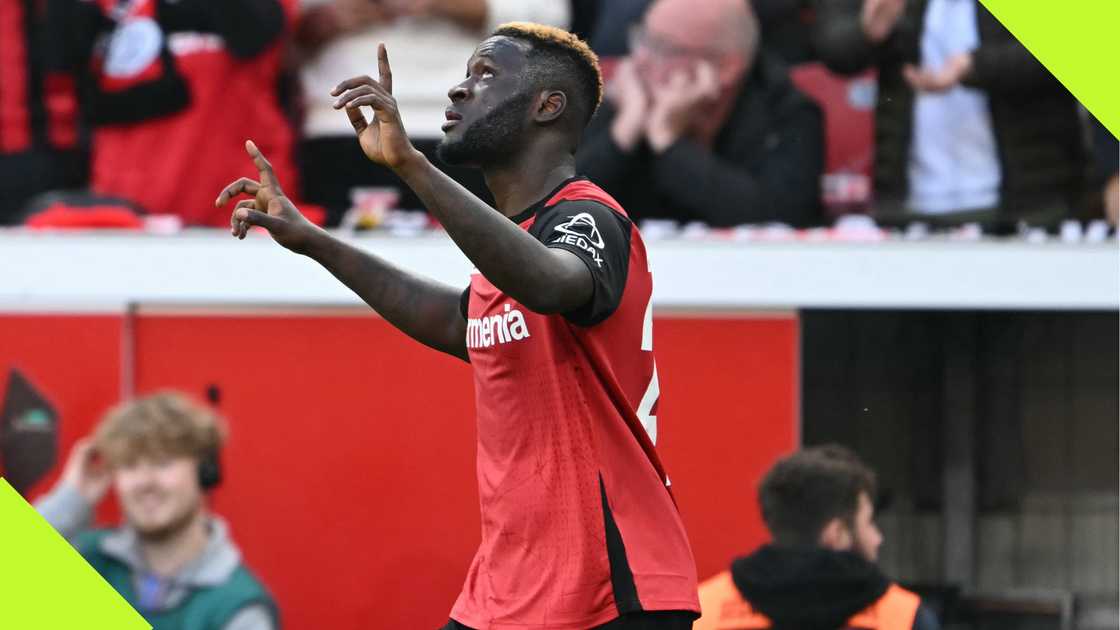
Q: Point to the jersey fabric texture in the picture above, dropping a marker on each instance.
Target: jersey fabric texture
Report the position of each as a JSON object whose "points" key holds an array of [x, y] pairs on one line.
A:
{"points": [[652, 620], [578, 524]]}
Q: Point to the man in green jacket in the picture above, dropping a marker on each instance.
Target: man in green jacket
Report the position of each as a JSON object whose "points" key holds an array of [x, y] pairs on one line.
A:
{"points": [[172, 560]]}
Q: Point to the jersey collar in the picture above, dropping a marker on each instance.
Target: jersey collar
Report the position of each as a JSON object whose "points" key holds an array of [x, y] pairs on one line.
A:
{"points": [[532, 210]]}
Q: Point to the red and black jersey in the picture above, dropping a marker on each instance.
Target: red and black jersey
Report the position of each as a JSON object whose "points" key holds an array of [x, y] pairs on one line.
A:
{"points": [[578, 525], [38, 110]]}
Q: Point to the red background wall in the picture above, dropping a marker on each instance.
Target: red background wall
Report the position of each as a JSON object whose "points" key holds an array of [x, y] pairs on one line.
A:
{"points": [[350, 470]]}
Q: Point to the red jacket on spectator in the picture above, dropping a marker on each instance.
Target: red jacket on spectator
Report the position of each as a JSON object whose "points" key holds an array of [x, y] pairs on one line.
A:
{"points": [[172, 147], [40, 145]]}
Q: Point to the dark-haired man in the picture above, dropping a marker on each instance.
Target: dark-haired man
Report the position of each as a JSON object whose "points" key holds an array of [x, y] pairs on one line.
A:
{"points": [[578, 527], [819, 572], [700, 124]]}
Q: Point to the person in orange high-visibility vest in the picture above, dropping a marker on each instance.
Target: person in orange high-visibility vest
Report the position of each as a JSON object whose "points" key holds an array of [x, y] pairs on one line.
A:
{"points": [[820, 571]]}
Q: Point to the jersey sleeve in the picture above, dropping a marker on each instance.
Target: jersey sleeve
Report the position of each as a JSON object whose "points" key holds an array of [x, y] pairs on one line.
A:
{"points": [[598, 236]]}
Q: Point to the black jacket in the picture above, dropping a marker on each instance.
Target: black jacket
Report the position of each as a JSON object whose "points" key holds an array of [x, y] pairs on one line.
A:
{"points": [[765, 165], [1037, 127], [811, 588]]}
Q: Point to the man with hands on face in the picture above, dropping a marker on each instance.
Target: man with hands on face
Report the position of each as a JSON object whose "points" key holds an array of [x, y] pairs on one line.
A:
{"points": [[172, 560], [701, 125], [579, 529], [968, 125]]}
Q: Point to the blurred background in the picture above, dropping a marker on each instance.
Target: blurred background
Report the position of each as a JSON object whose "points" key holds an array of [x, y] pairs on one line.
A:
{"points": [[880, 223]]}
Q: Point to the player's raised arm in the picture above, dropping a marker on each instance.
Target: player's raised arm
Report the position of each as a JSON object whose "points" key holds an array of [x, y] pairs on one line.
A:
{"points": [[423, 309], [543, 279]]}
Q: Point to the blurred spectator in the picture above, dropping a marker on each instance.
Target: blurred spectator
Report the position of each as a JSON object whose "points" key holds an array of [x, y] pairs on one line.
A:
{"points": [[819, 572], [1106, 152], [172, 90], [969, 126], [785, 27], [611, 35], [172, 560], [700, 126], [427, 42], [39, 140], [585, 14]]}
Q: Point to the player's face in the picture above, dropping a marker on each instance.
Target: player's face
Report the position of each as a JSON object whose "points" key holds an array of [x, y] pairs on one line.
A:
{"points": [[489, 111], [159, 495]]}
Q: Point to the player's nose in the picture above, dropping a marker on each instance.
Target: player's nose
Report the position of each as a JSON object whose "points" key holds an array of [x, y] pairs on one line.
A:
{"points": [[458, 93]]}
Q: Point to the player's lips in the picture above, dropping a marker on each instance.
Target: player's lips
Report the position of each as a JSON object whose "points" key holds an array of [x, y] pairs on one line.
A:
{"points": [[453, 118]]}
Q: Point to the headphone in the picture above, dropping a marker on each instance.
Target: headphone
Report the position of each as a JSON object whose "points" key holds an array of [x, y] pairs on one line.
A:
{"points": [[210, 465], [210, 471]]}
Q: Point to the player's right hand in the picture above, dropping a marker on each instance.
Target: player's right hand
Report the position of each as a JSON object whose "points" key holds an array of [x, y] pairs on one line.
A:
{"points": [[85, 473], [268, 208], [384, 139]]}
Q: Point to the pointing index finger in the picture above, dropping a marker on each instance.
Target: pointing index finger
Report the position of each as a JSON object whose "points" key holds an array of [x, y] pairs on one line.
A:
{"points": [[384, 72], [263, 167]]}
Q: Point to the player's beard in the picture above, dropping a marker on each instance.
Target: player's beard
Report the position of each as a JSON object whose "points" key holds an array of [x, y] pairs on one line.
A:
{"points": [[494, 139]]}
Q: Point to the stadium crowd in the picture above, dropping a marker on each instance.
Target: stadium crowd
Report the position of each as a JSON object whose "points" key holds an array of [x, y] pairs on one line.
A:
{"points": [[723, 112]]}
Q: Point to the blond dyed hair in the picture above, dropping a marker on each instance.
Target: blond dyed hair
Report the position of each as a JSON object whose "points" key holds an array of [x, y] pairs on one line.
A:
{"points": [[551, 38], [165, 424]]}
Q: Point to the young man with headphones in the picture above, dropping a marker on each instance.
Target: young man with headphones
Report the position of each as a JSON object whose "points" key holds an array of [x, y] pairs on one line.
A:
{"points": [[172, 559]]}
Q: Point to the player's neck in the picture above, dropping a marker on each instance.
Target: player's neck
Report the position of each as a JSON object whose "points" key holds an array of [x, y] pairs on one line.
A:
{"points": [[526, 181]]}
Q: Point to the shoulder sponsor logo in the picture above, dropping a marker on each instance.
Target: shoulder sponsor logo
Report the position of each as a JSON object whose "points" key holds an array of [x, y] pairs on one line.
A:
{"points": [[580, 231], [583, 224], [507, 326]]}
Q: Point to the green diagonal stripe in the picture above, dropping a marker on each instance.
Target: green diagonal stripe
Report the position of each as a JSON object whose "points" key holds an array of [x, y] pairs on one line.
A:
{"points": [[45, 584], [1076, 41]]}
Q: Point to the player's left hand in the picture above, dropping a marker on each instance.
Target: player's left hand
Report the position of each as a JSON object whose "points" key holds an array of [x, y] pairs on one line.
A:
{"points": [[384, 139], [269, 208], [677, 102], [950, 75]]}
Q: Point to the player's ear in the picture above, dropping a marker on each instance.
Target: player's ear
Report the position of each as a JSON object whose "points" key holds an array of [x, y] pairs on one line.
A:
{"points": [[550, 106]]}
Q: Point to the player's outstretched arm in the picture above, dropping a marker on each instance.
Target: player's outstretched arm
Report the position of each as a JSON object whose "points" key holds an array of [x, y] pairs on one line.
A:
{"points": [[423, 309], [544, 280]]}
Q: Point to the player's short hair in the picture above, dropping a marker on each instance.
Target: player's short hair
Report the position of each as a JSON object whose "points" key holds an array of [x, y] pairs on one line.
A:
{"points": [[561, 59], [166, 424], [804, 491]]}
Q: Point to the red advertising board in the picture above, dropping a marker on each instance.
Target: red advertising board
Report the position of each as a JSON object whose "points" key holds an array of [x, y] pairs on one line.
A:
{"points": [[349, 475]]}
